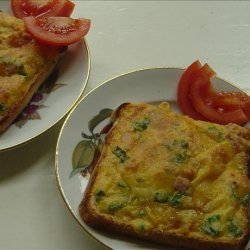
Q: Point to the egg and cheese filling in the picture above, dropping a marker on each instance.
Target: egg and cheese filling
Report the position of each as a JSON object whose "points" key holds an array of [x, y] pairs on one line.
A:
{"points": [[164, 172]]}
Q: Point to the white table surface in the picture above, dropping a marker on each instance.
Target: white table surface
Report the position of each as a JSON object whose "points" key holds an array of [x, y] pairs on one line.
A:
{"points": [[125, 35]]}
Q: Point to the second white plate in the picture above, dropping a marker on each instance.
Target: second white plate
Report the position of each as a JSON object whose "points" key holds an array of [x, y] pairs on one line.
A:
{"points": [[53, 101], [148, 85]]}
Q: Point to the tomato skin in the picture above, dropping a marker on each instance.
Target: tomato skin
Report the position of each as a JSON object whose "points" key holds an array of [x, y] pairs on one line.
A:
{"points": [[23, 8], [183, 90], [246, 109], [201, 94], [57, 31]]}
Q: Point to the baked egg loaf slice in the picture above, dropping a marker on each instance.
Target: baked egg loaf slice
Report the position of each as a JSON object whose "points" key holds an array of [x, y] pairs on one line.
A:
{"points": [[24, 65], [167, 178]]}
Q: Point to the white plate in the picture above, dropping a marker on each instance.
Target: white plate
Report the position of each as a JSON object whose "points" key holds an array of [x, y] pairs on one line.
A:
{"points": [[147, 85], [69, 86]]}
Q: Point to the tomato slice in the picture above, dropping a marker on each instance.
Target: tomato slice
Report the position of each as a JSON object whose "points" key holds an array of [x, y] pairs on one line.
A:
{"points": [[57, 31], [202, 96], [246, 109], [183, 90], [23, 8]]}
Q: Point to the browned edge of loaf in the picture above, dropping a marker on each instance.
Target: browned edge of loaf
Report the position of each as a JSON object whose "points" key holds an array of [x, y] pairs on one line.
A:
{"points": [[38, 80]]}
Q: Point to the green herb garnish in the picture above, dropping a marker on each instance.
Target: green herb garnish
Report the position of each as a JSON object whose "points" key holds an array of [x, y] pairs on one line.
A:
{"points": [[216, 132], [2, 107], [121, 154], [99, 195], [211, 226], [245, 200], [180, 158], [175, 200], [114, 207], [141, 125], [234, 228], [121, 185]]}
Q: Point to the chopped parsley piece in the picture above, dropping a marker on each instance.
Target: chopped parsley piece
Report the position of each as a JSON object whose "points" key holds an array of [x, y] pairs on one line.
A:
{"points": [[233, 228], [114, 207], [179, 149], [175, 200], [121, 154], [99, 195], [2, 107], [216, 132], [179, 158], [121, 185], [211, 226], [142, 125], [245, 200]]}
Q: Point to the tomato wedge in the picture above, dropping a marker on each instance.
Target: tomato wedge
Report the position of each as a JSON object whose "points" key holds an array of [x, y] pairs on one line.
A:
{"points": [[57, 31], [183, 90], [202, 96], [23, 8], [246, 108]]}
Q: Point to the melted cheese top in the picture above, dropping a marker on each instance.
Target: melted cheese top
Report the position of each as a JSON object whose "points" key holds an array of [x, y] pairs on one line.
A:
{"points": [[164, 172]]}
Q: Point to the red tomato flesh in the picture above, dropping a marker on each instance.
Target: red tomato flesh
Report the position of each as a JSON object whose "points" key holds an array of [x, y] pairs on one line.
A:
{"points": [[246, 108], [57, 31], [230, 99], [183, 98], [202, 96], [45, 8]]}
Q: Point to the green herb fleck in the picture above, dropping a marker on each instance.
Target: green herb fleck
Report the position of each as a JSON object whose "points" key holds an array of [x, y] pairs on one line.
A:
{"points": [[99, 195], [141, 125], [233, 228], [114, 207], [2, 107], [216, 132], [245, 200], [180, 158], [175, 200], [210, 227], [121, 154], [121, 185]]}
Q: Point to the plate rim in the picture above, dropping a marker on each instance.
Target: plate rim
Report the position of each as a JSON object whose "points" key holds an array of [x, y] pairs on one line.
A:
{"points": [[77, 100], [56, 165]]}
